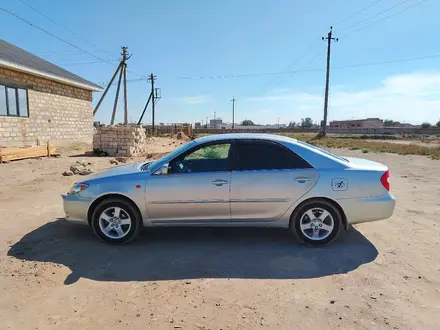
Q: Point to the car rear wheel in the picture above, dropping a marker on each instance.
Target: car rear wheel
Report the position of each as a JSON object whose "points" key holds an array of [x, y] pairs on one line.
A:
{"points": [[316, 223], [116, 221]]}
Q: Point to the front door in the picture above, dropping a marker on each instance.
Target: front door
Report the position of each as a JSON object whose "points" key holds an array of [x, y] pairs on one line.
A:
{"points": [[268, 179], [196, 187]]}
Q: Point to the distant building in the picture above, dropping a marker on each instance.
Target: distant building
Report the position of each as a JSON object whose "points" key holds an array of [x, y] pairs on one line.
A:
{"points": [[357, 123], [254, 127], [197, 125], [403, 125], [215, 123]]}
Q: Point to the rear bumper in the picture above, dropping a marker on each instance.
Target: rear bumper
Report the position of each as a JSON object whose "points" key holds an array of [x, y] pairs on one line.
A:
{"points": [[367, 209], [76, 208]]}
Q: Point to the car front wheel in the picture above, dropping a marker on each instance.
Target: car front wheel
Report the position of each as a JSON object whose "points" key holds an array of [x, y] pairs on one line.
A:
{"points": [[316, 223], [116, 221]]}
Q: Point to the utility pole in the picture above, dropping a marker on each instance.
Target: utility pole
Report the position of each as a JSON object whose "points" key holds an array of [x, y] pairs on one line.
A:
{"points": [[206, 124], [124, 68], [327, 78], [115, 104], [233, 111], [215, 124], [152, 78]]}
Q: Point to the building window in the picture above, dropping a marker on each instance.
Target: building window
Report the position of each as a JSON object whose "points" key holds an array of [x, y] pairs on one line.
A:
{"points": [[358, 125], [13, 102]]}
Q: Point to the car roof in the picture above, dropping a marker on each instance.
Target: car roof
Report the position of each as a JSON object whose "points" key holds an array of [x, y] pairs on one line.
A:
{"points": [[247, 136]]}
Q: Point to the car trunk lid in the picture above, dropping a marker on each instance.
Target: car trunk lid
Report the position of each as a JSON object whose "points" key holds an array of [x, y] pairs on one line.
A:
{"points": [[365, 164]]}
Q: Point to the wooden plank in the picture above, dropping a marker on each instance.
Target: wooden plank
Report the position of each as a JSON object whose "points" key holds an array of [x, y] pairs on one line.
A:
{"points": [[11, 151], [22, 153]]}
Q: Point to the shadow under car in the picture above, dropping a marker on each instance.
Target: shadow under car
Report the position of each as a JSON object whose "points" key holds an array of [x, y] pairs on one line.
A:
{"points": [[192, 252]]}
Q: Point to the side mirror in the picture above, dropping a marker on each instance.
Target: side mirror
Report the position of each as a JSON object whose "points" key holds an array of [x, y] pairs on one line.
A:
{"points": [[164, 169]]}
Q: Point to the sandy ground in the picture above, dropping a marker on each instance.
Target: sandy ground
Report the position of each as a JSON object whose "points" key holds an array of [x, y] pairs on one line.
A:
{"points": [[55, 275]]}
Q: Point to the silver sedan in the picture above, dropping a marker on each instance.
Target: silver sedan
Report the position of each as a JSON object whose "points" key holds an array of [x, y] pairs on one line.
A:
{"points": [[235, 180]]}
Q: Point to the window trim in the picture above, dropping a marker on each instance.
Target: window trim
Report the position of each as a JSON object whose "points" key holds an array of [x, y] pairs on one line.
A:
{"points": [[17, 102], [206, 144], [267, 142]]}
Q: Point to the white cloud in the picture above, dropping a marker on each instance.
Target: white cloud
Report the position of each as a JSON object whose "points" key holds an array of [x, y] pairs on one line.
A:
{"points": [[199, 99], [413, 97]]}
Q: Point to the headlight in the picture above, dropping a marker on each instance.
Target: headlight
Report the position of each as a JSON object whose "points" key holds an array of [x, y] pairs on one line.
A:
{"points": [[77, 187]]}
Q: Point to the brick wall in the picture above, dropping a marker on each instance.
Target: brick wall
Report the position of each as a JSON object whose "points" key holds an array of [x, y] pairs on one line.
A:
{"points": [[120, 140], [56, 111]]}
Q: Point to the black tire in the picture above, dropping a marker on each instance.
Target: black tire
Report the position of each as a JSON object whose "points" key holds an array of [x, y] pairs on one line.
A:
{"points": [[295, 222], [127, 209]]}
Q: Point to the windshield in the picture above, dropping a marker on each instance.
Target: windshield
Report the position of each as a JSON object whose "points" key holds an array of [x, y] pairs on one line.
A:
{"points": [[322, 150]]}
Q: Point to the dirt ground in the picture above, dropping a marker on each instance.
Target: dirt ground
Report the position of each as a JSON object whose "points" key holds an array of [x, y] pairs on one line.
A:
{"points": [[56, 275]]}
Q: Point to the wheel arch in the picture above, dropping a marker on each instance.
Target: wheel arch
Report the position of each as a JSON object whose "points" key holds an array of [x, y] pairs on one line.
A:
{"points": [[97, 201], [326, 199]]}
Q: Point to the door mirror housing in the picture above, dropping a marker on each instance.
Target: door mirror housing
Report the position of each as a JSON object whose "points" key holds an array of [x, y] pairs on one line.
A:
{"points": [[164, 169]]}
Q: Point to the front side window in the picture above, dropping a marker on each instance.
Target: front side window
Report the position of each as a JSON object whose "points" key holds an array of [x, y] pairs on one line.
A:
{"points": [[267, 156], [13, 102], [210, 158]]}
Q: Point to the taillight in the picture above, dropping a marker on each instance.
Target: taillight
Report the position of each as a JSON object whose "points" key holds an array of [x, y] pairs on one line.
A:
{"points": [[385, 180]]}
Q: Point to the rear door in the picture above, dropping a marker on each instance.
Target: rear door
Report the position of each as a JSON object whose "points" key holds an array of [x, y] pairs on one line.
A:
{"points": [[267, 180]]}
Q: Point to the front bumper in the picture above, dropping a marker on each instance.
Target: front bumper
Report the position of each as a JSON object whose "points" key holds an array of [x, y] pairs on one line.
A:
{"points": [[367, 209], [76, 208]]}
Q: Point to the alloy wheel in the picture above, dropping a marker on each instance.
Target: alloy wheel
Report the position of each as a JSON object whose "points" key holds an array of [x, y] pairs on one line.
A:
{"points": [[115, 222], [317, 224]]}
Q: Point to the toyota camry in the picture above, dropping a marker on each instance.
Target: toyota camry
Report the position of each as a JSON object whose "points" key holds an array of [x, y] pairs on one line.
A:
{"points": [[235, 180]]}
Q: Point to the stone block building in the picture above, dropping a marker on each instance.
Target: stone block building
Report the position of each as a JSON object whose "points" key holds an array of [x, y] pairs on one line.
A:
{"points": [[357, 123], [41, 100]]}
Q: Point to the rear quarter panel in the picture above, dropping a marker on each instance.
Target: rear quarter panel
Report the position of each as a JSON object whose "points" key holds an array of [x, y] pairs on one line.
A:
{"points": [[359, 186]]}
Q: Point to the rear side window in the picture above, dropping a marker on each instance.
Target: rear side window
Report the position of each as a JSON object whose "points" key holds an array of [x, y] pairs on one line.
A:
{"points": [[267, 156]]}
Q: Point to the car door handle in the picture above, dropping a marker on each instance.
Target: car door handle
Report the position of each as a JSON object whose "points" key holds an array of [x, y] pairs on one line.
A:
{"points": [[219, 182], [301, 179]]}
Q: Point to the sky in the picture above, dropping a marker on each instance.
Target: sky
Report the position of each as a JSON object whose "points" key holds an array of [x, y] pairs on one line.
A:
{"points": [[268, 54]]}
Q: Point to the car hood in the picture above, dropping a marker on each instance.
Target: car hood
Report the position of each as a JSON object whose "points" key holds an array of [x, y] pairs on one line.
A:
{"points": [[119, 170]]}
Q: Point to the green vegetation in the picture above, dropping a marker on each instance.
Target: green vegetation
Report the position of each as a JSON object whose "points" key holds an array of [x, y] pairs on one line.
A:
{"points": [[370, 146], [306, 122], [364, 143], [247, 122], [210, 152]]}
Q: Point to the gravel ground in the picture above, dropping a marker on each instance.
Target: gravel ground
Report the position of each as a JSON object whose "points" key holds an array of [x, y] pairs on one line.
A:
{"points": [[55, 275]]}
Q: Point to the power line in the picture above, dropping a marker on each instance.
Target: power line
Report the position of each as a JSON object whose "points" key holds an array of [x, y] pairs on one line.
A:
{"points": [[62, 26], [64, 53], [299, 70], [355, 13], [85, 63], [380, 13], [246, 75], [296, 60], [396, 13], [103, 83], [53, 35]]}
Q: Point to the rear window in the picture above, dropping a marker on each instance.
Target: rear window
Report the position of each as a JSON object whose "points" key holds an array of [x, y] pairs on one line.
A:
{"points": [[322, 150], [267, 156]]}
